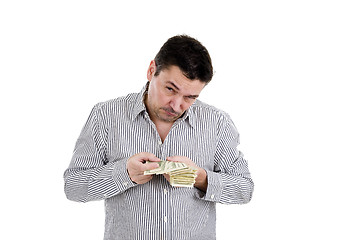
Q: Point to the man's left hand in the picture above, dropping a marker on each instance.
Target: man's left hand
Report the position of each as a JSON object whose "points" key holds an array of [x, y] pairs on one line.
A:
{"points": [[201, 180]]}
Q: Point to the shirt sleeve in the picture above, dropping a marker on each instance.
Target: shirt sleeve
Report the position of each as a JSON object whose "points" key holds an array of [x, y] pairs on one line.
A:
{"points": [[90, 176], [230, 181]]}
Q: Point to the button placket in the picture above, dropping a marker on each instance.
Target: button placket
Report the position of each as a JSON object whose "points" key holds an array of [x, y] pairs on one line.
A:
{"points": [[165, 211], [162, 147]]}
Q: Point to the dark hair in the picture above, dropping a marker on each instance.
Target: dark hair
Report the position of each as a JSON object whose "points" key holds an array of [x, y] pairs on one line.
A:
{"points": [[188, 54]]}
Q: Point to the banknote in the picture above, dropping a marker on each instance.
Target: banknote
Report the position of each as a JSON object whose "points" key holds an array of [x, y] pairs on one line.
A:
{"points": [[181, 175], [166, 167]]}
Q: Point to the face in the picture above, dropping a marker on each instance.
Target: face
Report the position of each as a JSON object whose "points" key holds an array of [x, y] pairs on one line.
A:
{"points": [[170, 93]]}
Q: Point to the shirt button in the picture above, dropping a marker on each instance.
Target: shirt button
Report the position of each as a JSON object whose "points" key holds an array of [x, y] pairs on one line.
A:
{"points": [[125, 183], [165, 218], [165, 191], [160, 142], [212, 196]]}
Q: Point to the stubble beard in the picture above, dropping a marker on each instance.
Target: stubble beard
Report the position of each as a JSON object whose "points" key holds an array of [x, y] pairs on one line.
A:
{"points": [[161, 114]]}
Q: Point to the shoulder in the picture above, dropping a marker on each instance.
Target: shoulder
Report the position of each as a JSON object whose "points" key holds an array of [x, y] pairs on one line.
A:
{"points": [[209, 117], [204, 110], [116, 108], [124, 102]]}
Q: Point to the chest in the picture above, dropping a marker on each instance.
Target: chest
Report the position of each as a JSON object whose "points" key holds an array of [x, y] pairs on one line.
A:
{"points": [[163, 130], [127, 139]]}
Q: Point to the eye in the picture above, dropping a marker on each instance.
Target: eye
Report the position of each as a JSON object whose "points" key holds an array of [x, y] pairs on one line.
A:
{"points": [[169, 89], [190, 99]]}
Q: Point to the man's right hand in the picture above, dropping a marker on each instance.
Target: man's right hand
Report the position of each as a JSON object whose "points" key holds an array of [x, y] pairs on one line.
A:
{"points": [[137, 164]]}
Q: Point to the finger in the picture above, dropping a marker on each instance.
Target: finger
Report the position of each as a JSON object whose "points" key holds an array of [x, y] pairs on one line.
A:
{"points": [[146, 178], [148, 157], [166, 176], [150, 166], [172, 159], [177, 159], [143, 179]]}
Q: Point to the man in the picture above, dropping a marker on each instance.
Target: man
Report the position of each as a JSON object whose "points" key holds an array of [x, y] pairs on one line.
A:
{"points": [[124, 137]]}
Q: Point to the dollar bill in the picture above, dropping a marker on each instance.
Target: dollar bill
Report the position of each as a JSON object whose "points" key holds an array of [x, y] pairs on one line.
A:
{"points": [[181, 175], [166, 167]]}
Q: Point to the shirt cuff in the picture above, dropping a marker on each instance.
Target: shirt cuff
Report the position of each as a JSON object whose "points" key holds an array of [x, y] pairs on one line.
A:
{"points": [[214, 188], [121, 176]]}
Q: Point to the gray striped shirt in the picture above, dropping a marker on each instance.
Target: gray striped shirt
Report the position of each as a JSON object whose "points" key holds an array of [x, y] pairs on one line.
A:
{"points": [[120, 128]]}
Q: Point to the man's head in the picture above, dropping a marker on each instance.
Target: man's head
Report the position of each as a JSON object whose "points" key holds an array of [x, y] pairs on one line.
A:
{"points": [[176, 77], [189, 55]]}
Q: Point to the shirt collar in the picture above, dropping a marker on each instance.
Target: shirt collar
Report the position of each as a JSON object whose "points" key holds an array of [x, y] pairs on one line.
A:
{"points": [[139, 107], [188, 116]]}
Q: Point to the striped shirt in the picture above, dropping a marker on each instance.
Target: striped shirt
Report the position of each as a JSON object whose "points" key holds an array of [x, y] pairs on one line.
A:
{"points": [[120, 128]]}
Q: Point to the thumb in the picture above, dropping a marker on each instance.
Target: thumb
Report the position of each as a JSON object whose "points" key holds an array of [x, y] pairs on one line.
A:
{"points": [[172, 158], [150, 166]]}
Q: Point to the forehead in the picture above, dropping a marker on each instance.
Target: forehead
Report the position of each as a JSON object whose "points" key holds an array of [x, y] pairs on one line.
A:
{"points": [[175, 77]]}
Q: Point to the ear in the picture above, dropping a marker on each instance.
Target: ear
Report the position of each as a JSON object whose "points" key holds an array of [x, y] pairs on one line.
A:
{"points": [[151, 70]]}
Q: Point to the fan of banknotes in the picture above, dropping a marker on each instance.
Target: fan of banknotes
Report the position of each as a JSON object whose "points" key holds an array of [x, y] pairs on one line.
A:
{"points": [[181, 175]]}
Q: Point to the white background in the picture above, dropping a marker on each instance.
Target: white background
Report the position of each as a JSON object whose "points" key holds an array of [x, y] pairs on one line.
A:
{"points": [[287, 72]]}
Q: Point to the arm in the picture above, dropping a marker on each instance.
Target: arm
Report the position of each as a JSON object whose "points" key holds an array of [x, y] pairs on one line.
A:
{"points": [[230, 182], [91, 177]]}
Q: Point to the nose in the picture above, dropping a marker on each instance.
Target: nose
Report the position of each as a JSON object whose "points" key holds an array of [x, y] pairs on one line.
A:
{"points": [[177, 104]]}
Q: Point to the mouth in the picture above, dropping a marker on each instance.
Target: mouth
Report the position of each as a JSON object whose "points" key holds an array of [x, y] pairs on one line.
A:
{"points": [[170, 113]]}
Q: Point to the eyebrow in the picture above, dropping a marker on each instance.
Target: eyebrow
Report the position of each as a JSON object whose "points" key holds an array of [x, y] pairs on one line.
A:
{"points": [[175, 86]]}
